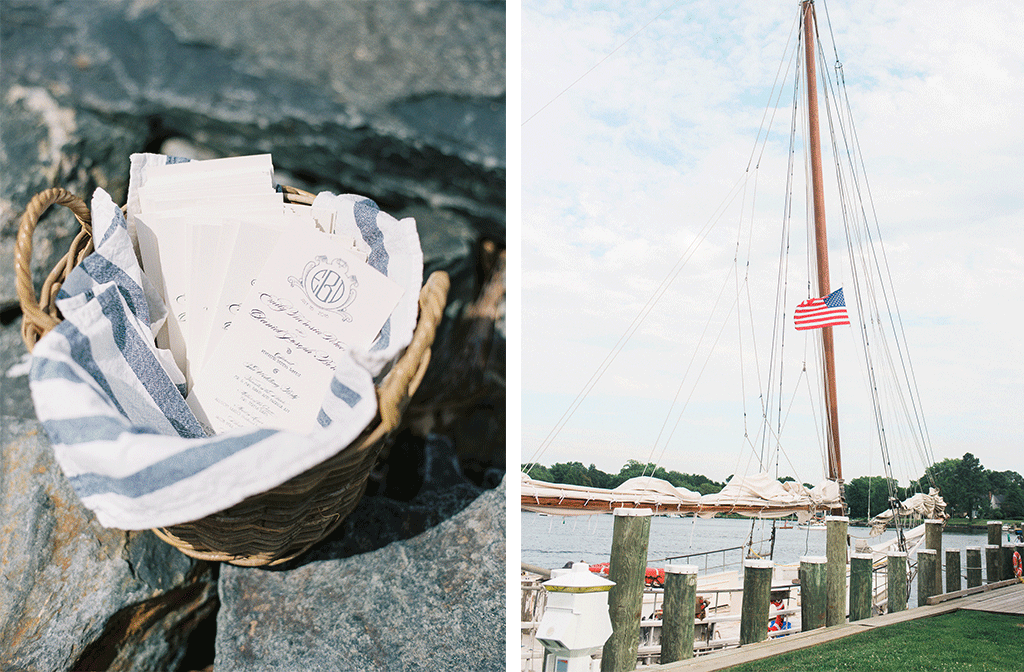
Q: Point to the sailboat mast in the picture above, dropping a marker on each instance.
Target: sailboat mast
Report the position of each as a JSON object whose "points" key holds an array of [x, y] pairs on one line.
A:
{"points": [[835, 467]]}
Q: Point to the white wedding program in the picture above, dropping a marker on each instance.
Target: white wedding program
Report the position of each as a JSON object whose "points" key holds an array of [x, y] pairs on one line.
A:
{"points": [[312, 302], [262, 297]]}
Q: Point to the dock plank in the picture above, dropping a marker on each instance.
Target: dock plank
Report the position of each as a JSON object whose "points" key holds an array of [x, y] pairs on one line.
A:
{"points": [[1007, 599]]}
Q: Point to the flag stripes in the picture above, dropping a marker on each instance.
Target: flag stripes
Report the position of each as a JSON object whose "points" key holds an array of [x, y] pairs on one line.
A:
{"points": [[829, 311]]}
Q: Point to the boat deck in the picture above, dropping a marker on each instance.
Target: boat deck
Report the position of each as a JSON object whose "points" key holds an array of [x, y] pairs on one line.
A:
{"points": [[1004, 597]]}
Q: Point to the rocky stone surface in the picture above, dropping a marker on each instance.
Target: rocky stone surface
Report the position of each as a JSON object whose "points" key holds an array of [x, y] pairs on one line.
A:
{"points": [[435, 601], [403, 102], [79, 596]]}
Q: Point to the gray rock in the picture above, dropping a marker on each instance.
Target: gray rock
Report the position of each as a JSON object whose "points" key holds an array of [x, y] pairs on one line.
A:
{"points": [[403, 102], [432, 602], [79, 596], [419, 485]]}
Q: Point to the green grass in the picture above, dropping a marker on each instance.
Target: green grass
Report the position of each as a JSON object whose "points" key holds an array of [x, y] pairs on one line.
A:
{"points": [[982, 522], [962, 640]]}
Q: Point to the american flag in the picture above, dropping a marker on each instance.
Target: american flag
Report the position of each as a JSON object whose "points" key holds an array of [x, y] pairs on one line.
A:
{"points": [[817, 313]]}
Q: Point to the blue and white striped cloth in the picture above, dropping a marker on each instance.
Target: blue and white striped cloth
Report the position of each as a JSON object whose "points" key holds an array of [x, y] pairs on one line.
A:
{"points": [[111, 401]]}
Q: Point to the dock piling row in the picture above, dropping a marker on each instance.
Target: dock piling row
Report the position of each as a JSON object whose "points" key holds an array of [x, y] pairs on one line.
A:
{"points": [[835, 550], [627, 568], [813, 593], [860, 586], [680, 605], [927, 561], [757, 589], [973, 566], [897, 581], [933, 540], [953, 582], [993, 558]]}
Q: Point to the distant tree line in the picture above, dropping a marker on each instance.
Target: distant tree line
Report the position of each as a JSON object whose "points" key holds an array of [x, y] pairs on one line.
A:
{"points": [[966, 486], [574, 473]]}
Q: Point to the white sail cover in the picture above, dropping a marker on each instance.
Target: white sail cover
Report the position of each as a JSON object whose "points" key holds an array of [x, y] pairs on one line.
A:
{"points": [[763, 490], [771, 498], [928, 507], [640, 491]]}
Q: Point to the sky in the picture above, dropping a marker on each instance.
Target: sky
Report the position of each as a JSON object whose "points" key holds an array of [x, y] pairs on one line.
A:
{"points": [[639, 121]]}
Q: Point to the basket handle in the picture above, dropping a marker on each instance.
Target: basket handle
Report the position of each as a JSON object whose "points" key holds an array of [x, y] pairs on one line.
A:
{"points": [[40, 315]]}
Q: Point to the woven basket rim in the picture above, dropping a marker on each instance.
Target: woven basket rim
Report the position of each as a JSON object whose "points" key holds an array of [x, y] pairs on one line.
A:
{"points": [[40, 315]]}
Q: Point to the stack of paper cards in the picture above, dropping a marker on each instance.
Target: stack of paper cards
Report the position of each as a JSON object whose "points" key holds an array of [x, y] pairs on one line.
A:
{"points": [[262, 298]]}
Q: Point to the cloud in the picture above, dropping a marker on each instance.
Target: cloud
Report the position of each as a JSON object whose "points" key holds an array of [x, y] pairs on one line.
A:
{"points": [[624, 171]]}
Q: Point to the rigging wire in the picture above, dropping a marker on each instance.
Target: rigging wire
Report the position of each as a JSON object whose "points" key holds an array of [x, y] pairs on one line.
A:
{"points": [[658, 293], [856, 158], [598, 64], [888, 399], [867, 263], [679, 389]]}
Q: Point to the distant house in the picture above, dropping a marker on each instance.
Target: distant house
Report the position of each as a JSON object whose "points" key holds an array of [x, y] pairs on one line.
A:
{"points": [[995, 501]]}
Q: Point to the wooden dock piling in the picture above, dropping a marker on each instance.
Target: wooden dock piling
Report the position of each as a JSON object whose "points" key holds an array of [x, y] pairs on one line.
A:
{"points": [[933, 540], [995, 532], [860, 586], [927, 559], [896, 571], [627, 568], [835, 573], [1006, 561], [973, 557], [813, 594], [757, 591], [953, 582], [993, 557], [680, 606]]}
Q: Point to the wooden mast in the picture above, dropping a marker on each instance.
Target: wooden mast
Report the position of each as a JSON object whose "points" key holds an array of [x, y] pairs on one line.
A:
{"points": [[835, 467]]}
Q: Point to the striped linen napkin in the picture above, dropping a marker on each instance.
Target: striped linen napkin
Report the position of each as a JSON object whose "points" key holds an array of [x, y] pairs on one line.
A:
{"points": [[112, 405]]}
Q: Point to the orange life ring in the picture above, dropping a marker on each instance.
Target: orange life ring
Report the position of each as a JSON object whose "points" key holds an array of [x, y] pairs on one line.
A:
{"points": [[1016, 564], [655, 577]]}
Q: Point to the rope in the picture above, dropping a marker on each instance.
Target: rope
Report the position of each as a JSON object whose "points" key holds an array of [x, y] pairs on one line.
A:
{"points": [[596, 65], [652, 301]]}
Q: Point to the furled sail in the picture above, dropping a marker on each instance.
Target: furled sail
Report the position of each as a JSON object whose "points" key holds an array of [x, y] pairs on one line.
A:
{"points": [[757, 496], [927, 507]]}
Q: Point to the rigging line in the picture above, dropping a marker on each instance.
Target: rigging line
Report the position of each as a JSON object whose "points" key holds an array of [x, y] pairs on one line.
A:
{"points": [[792, 401], [907, 366], [686, 373], [913, 414], [812, 398], [739, 312], [771, 93], [696, 349], [832, 37], [781, 290], [776, 349], [635, 324], [596, 65], [699, 375], [862, 317], [850, 221]]}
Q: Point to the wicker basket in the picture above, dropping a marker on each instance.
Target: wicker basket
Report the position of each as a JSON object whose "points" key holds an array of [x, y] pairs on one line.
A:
{"points": [[279, 524]]}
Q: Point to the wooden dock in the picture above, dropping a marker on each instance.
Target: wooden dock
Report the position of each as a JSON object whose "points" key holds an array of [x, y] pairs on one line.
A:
{"points": [[1004, 597]]}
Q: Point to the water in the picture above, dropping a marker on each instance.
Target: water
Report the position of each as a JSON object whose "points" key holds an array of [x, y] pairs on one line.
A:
{"points": [[552, 541]]}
